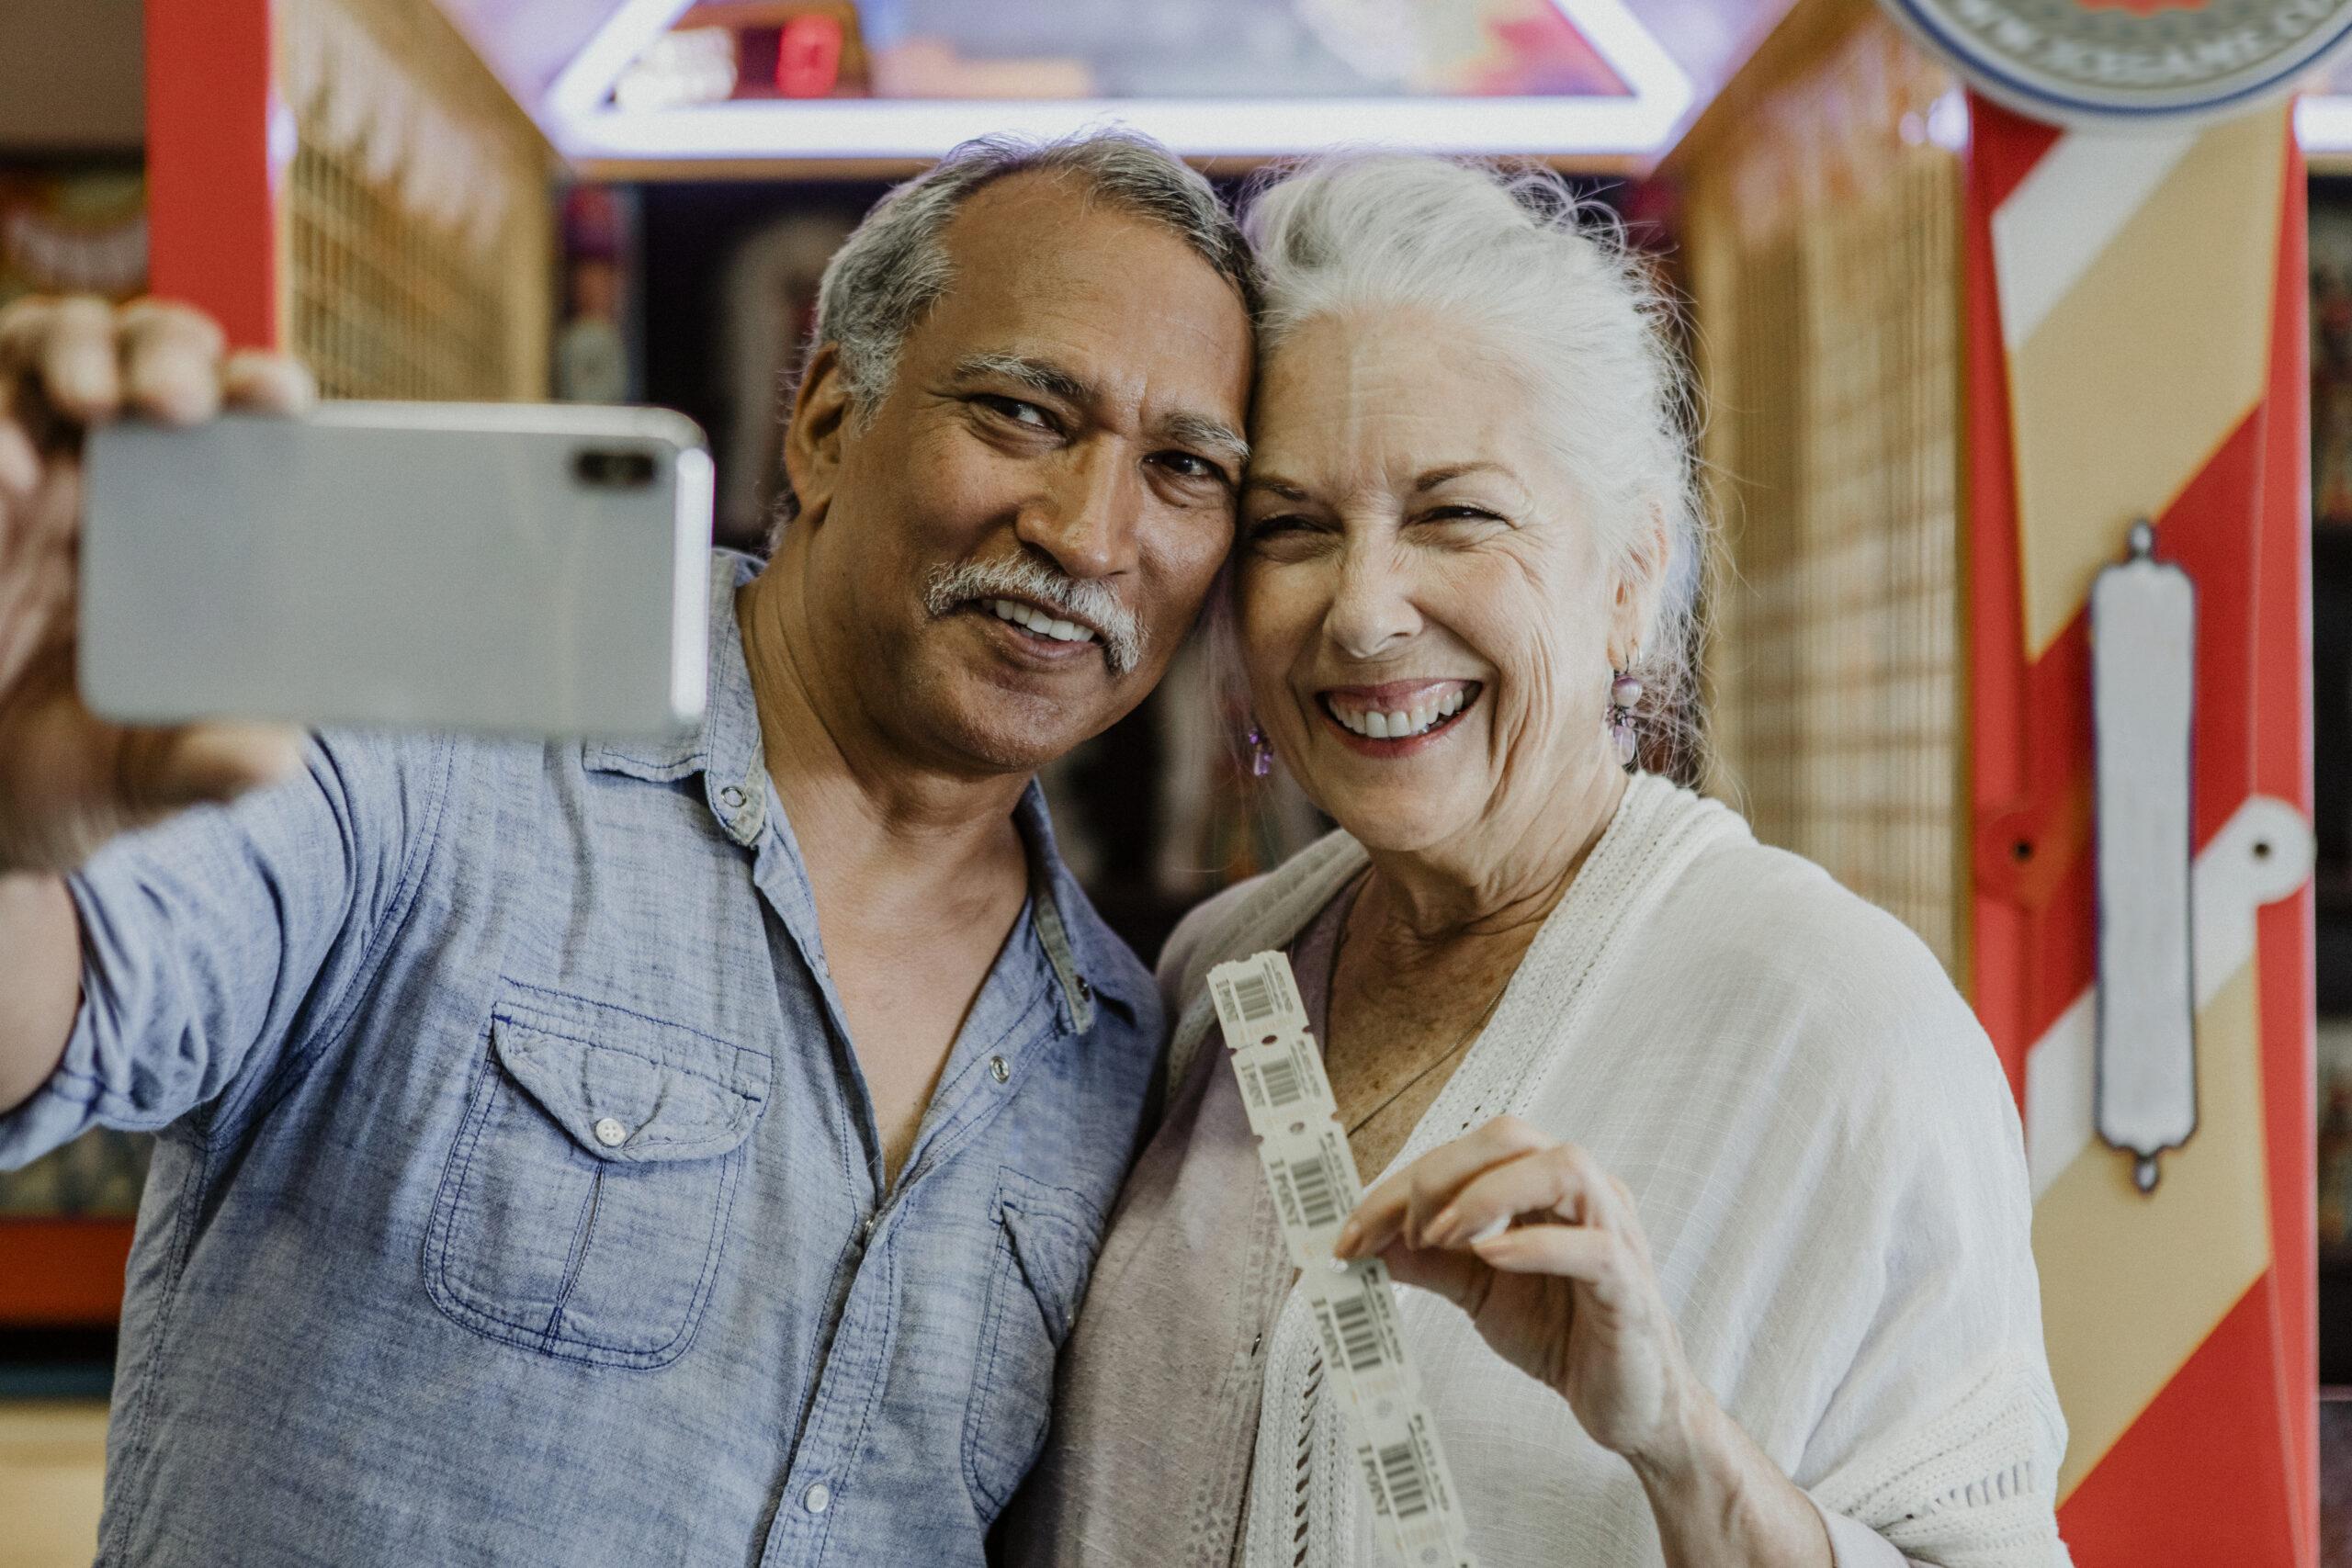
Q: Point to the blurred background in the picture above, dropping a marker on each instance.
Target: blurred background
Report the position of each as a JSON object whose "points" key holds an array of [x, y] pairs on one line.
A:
{"points": [[632, 200]]}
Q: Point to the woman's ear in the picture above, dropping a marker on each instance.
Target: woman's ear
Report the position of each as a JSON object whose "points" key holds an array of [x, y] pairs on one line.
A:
{"points": [[1639, 586], [812, 436]]}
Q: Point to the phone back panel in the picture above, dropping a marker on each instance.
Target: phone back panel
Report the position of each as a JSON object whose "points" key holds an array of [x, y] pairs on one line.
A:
{"points": [[413, 564]]}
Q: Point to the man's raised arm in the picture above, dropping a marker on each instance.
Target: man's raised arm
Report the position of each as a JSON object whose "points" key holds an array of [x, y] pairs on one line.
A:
{"points": [[41, 981], [69, 781]]}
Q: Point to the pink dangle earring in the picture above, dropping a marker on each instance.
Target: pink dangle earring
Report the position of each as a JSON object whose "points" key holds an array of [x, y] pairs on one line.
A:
{"points": [[1261, 753], [1625, 695]]}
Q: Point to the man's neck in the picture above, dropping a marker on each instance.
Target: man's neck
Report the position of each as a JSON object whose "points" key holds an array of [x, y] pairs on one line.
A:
{"points": [[862, 810]]}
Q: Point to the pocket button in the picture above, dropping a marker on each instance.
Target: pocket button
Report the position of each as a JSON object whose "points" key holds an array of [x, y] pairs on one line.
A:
{"points": [[611, 1133]]}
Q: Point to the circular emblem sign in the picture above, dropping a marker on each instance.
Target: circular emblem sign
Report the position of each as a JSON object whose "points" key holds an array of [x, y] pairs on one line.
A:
{"points": [[2111, 62]]}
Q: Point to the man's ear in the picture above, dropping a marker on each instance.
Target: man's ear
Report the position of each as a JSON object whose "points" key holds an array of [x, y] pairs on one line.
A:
{"points": [[812, 436]]}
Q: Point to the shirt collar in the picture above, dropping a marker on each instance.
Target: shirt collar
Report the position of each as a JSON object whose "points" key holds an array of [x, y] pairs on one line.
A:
{"points": [[726, 751], [726, 748]]}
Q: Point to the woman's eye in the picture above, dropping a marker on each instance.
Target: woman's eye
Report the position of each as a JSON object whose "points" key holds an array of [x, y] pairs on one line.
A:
{"points": [[1458, 514], [1267, 527]]}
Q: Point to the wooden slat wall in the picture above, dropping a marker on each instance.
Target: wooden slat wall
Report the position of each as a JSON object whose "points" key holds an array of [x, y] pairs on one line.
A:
{"points": [[384, 302], [1824, 254]]}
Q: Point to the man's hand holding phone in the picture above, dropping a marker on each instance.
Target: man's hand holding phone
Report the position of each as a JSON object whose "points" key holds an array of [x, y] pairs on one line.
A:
{"points": [[69, 780]]}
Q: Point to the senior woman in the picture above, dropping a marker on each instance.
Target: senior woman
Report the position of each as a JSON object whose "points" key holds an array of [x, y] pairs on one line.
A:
{"points": [[1765, 1295]]}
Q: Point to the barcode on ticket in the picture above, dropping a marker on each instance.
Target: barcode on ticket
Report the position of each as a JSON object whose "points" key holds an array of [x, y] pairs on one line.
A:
{"points": [[1312, 1175], [1282, 1086], [1281, 1081], [1403, 1479], [1255, 999], [1254, 994], [1313, 1192], [1357, 1316]]}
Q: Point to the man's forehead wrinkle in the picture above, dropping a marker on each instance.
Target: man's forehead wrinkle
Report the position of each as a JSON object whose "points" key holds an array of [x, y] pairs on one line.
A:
{"points": [[1062, 318]]}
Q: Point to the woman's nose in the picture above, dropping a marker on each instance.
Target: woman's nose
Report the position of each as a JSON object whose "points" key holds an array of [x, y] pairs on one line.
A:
{"points": [[1371, 605], [1086, 514]]}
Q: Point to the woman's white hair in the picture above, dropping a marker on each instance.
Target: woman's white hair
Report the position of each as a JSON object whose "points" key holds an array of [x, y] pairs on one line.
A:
{"points": [[1572, 313]]}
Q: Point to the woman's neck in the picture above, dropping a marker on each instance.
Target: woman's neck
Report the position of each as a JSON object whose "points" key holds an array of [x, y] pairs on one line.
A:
{"points": [[1499, 879]]}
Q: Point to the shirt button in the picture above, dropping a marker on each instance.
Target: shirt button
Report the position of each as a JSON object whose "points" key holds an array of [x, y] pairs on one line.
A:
{"points": [[611, 1133], [731, 798], [997, 1069], [1085, 991], [818, 1498]]}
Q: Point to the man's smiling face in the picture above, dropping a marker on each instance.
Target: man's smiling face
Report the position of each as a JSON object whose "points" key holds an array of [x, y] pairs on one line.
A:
{"points": [[1019, 537]]}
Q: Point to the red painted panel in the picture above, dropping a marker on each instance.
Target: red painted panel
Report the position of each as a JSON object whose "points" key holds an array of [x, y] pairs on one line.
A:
{"points": [[2280, 708], [211, 202], [2001, 148], [2222, 1467], [62, 1272], [2211, 530], [2199, 1479], [2004, 146]]}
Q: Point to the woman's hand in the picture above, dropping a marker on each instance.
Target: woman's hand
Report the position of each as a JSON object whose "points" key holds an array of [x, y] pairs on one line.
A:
{"points": [[1543, 1250]]}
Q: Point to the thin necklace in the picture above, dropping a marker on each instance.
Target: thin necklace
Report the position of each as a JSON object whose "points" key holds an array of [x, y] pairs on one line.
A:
{"points": [[1450, 1052]]}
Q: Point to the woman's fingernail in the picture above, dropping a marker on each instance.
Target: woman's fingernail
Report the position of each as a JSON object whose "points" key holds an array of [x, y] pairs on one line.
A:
{"points": [[1346, 1242], [1440, 1230]]}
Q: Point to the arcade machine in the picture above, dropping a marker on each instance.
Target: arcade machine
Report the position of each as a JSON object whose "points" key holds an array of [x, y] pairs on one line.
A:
{"points": [[1998, 309]]}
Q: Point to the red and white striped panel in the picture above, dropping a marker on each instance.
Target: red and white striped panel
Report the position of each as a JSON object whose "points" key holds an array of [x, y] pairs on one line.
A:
{"points": [[2136, 346]]}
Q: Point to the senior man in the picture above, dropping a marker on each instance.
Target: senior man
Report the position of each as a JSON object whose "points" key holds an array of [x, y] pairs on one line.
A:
{"points": [[644, 1154]]}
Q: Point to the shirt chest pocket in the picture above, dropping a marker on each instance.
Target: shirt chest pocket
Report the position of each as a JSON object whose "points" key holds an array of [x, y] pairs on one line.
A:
{"points": [[1046, 1239], [584, 1209]]}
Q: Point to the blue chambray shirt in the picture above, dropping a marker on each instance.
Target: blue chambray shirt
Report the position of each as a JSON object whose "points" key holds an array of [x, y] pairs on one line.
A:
{"points": [[517, 1197]]}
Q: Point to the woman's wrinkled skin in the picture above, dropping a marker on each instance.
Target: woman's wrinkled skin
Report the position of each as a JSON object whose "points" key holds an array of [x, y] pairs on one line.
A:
{"points": [[1409, 538], [1404, 520]]}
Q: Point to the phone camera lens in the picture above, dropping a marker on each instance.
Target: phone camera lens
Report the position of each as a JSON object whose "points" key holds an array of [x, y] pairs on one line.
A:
{"points": [[605, 469]]}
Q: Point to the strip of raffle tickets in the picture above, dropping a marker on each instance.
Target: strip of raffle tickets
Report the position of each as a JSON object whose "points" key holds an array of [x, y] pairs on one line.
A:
{"points": [[1313, 1176]]}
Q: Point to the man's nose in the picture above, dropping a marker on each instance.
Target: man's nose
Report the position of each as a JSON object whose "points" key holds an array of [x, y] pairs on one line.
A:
{"points": [[1087, 514]]}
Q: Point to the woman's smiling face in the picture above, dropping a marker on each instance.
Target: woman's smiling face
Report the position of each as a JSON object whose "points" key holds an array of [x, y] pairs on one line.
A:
{"points": [[1426, 617]]}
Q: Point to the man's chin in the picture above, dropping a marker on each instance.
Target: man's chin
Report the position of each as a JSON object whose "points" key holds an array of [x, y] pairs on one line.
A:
{"points": [[1008, 718], [1000, 728], [1013, 749]]}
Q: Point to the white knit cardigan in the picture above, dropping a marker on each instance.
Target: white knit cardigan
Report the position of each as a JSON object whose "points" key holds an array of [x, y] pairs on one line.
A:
{"points": [[1827, 1163]]}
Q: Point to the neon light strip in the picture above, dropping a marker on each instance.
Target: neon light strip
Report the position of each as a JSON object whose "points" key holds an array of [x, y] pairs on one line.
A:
{"points": [[1199, 127], [580, 91], [583, 125]]}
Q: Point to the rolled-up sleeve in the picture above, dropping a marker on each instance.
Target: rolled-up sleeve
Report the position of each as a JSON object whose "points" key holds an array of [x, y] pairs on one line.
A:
{"points": [[227, 940]]}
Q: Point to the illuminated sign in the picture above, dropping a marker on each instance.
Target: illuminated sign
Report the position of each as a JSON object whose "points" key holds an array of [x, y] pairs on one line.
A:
{"points": [[2094, 63]]}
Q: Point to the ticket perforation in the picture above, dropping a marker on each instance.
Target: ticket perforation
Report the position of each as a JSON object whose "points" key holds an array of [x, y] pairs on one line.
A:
{"points": [[1311, 1174]]}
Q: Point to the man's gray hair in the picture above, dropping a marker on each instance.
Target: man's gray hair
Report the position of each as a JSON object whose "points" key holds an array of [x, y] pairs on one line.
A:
{"points": [[890, 272]]}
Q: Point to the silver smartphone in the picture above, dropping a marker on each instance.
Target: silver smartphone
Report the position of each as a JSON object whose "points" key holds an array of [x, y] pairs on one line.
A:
{"points": [[538, 569]]}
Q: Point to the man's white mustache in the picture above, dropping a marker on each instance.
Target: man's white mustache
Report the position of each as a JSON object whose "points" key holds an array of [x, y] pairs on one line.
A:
{"points": [[950, 588]]}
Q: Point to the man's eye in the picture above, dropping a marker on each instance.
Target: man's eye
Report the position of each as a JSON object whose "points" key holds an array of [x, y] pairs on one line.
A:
{"points": [[1016, 410], [1187, 466]]}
